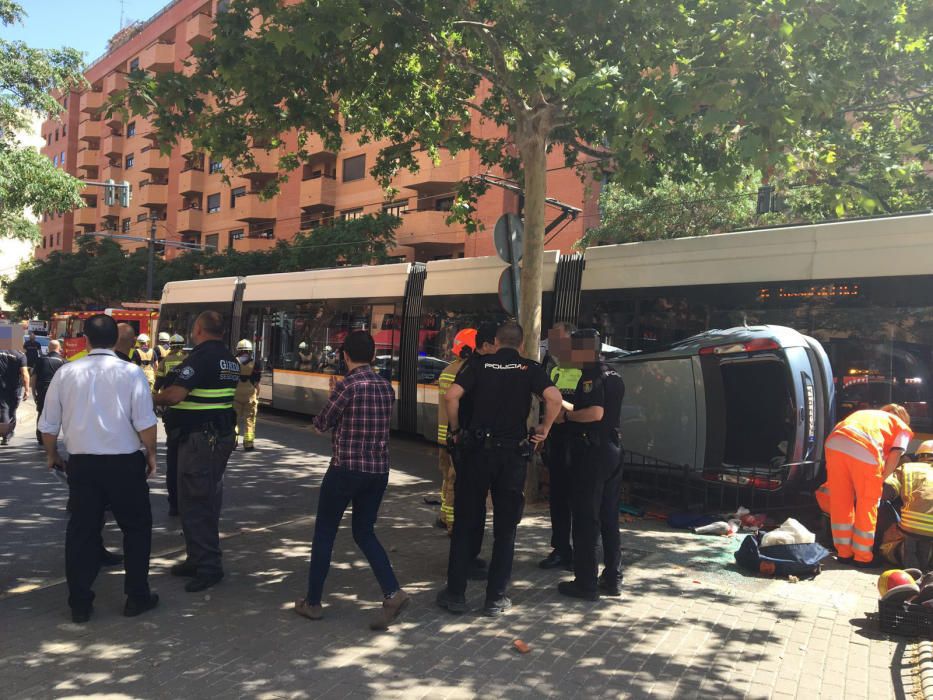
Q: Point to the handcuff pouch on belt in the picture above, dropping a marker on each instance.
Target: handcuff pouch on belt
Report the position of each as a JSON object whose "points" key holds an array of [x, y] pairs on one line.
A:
{"points": [[483, 439]]}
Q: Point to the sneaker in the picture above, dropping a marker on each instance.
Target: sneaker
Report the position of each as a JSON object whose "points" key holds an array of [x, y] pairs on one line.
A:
{"points": [[305, 609], [81, 615], [183, 569], [451, 602], [478, 570], [573, 590], [136, 606], [555, 560], [392, 608], [496, 607], [201, 583], [609, 586]]}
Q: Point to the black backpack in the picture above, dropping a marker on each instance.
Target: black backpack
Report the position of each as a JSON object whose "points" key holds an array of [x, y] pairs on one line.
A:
{"points": [[801, 560]]}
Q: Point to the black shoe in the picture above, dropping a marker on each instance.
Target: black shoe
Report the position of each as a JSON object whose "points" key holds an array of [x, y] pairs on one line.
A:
{"points": [[183, 569], [137, 606], [248, 447], [556, 560], [81, 615], [497, 606], [478, 570], [4, 440], [108, 558], [201, 583], [452, 603], [173, 511], [609, 586], [573, 590]]}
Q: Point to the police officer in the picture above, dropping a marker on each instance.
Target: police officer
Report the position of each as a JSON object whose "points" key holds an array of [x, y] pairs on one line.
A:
{"points": [[32, 350], [246, 400], [43, 371], [592, 420], [14, 385], [201, 421], [497, 450], [557, 450]]}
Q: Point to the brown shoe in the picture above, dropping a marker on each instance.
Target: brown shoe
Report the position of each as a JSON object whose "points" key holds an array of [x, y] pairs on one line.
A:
{"points": [[312, 612], [391, 610]]}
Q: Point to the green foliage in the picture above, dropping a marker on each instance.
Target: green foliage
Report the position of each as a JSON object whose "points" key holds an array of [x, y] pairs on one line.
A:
{"points": [[28, 78], [101, 274]]}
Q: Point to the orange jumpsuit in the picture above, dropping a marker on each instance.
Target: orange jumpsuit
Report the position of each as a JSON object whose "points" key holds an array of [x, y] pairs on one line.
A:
{"points": [[855, 454]]}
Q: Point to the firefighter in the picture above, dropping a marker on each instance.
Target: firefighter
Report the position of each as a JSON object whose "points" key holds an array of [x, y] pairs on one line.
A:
{"points": [[145, 357], [913, 482], [305, 357], [163, 346], [246, 400], [861, 452]]}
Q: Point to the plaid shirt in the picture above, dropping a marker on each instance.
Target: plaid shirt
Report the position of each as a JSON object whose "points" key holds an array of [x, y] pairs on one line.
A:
{"points": [[359, 412]]}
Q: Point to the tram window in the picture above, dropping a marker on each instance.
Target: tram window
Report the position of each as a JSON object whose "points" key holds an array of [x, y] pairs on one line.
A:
{"points": [[441, 320]]}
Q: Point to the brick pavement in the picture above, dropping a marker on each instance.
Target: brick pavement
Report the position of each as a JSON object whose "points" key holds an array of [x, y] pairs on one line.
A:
{"points": [[691, 625]]}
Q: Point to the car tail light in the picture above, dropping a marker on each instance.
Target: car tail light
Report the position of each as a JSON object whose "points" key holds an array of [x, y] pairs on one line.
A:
{"points": [[750, 346]]}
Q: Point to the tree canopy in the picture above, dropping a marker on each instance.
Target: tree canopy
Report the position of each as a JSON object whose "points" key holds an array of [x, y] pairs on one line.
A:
{"points": [[645, 89], [100, 274], [28, 80]]}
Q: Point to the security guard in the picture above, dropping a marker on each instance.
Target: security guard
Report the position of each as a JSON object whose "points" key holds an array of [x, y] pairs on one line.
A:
{"points": [[496, 452], [201, 421], [246, 400], [595, 450], [145, 357], [557, 450]]}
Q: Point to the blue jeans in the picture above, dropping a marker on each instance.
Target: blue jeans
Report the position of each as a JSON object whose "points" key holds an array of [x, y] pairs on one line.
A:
{"points": [[340, 488]]}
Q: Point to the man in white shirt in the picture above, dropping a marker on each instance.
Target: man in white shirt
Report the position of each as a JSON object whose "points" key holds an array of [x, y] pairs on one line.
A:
{"points": [[103, 407]]}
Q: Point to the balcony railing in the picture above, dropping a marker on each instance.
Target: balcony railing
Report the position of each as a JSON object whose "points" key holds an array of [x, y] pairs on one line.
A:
{"points": [[91, 102], [112, 146], [190, 219], [90, 131], [114, 82], [87, 158], [198, 29], [151, 159], [250, 208], [318, 193], [267, 163], [86, 216], [428, 227], [152, 195], [158, 58], [448, 171], [191, 181]]}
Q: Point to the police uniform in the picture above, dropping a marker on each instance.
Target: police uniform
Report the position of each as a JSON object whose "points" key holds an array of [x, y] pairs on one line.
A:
{"points": [[595, 451], [495, 459], [33, 352], [557, 459], [201, 431], [12, 363], [246, 400]]}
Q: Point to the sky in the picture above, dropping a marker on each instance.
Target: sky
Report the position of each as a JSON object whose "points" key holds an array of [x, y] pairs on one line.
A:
{"points": [[85, 25]]}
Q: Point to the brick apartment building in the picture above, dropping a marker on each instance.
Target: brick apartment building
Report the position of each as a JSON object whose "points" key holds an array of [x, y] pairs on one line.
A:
{"points": [[186, 194]]}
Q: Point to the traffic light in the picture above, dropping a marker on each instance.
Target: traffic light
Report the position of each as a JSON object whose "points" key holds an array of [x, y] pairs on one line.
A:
{"points": [[110, 193], [126, 194]]}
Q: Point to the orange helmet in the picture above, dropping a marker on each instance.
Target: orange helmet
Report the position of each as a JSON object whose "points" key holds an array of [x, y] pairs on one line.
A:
{"points": [[466, 338]]}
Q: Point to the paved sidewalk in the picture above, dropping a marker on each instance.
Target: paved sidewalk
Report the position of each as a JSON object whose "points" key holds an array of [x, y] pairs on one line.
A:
{"points": [[691, 625]]}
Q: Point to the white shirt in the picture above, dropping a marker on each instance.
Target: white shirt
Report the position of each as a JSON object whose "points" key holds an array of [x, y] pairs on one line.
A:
{"points": [[100, 403]]}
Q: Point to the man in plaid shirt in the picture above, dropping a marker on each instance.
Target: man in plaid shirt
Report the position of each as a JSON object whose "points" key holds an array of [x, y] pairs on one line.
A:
{"points": [[359, 412]]}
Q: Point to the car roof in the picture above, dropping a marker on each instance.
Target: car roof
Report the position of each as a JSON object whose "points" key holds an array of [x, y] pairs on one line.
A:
{"points": [[782, 335]]}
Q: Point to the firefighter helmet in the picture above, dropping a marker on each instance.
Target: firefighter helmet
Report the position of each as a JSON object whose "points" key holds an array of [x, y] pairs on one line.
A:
{"points": [[244, 345], [164, 337], [897, 584], [925, 451], [142, 338], [177, 340], [302, 345]]}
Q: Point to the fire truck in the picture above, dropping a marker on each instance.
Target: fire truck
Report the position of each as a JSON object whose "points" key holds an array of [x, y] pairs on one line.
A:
{"points": [[68, 326]]}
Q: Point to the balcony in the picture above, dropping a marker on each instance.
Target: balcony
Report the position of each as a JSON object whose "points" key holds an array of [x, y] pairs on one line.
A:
{"points": [[267, 163], [250, 208], [191, 181], [189, 220], [92, 102], [112, 145], [431, 177], [152, 195], [90, 131], [158, 58], [87, 158], [318, 193], [114, 82], [198, 29], [111, 171], [86, 216], [151, 159], [420, 227]]}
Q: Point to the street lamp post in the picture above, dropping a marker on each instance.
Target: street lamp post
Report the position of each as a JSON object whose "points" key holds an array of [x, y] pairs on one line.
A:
{"points": [[150, 267]]}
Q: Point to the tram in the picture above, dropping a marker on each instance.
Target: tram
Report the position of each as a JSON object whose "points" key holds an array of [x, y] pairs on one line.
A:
{"points": [[862, 288]]}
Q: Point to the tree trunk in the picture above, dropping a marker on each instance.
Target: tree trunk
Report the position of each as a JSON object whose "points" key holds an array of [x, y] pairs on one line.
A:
{"points": [[534, 164]]}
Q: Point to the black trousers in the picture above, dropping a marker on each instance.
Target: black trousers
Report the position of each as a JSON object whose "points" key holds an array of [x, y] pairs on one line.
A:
{"points": [[40, 404], [478, 528], [596, 485], [201, 467], [559, 493], [8, 406], [93, 482], [501, 472], [171, 468]]}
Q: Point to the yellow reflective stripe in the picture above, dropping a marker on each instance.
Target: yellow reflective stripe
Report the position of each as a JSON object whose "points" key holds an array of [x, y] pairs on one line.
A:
{"points": [[213, 393], [918, 517], [191, 406]]}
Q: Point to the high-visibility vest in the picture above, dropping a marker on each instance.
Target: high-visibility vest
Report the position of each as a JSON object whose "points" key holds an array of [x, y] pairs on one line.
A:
{"points": [[443, 384], [566, 379], [245, 390], [146, 356], [206, 400], [873, 430], [913, 482], [171, 361]]}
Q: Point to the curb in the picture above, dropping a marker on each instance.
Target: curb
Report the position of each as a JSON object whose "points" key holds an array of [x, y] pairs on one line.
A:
{"points": [[925, 668]]}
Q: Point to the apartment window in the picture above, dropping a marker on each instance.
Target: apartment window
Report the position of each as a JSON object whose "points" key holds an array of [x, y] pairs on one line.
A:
{"points": [[64, 129], [131, 129], [354, 168], [56, 134], [212, 241], [65, 104], [130, 159], [262, 233], [395, 208], [350, 214], [61, 159], [235, 194], [216, 166], [213, 203], [125, 225], [58, 238], [134, 64], [236, 235], [444, 204], [141, 217], [55, 160]]}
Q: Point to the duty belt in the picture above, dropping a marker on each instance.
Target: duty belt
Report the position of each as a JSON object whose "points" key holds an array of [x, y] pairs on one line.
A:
{"points": [[483, 439], [593, 438]]}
